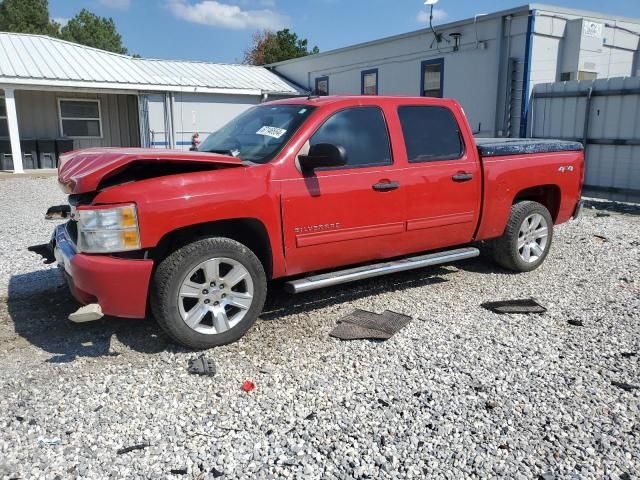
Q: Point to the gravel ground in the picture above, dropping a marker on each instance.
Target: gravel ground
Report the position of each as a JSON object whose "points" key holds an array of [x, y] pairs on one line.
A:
{"points": [[460, 392]]}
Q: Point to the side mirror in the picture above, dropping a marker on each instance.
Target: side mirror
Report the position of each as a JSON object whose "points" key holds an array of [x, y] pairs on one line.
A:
{"points": [[323, 155]]}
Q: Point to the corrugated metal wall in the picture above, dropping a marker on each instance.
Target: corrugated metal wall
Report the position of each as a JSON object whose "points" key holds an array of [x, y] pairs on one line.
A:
{"points": [[605, 116], [38, 117]]}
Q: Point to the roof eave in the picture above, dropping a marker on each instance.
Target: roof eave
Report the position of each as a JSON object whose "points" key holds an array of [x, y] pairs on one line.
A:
{"points": [[32, 84]]}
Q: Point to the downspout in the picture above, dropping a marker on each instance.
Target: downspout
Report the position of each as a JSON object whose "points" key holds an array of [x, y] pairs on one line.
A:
{"points": [[167, 126], [172, 120], [587, 119], [527, 73], [143, 120], [506, 112], [501, 76]]}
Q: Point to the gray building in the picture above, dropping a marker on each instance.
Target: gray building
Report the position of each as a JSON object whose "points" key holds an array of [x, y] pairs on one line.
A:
{"points": [[57, 96], [489, 63]]}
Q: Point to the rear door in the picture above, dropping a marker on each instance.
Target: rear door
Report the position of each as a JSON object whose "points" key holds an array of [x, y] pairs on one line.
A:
{"points": [[350, 214], [443, 181]]}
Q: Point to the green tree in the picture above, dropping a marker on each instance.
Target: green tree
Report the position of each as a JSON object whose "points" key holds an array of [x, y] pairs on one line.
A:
{"points": [[27, 16], [89, 29], [270, 47]]}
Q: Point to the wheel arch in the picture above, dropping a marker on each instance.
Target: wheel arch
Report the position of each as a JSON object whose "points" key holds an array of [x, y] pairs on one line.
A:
{"points": [[251, 232], [547, 195]]}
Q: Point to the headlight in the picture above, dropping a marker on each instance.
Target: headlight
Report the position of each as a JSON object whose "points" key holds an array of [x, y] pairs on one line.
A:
{"points": [[113, 229]]}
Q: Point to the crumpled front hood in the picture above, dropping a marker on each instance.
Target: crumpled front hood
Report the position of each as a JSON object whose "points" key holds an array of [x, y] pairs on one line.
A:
{"points": [[83, 171]]}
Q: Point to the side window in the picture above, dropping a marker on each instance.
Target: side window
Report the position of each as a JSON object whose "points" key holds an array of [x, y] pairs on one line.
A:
{"points": [[80, 118], [430, 133], [362, 132]]}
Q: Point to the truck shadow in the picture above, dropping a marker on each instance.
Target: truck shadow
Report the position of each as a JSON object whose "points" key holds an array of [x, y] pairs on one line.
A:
{"points": [[38, 305], [280, 303]]}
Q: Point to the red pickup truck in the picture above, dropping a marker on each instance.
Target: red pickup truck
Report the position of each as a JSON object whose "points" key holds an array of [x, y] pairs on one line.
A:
{"points": [[321, 191]]}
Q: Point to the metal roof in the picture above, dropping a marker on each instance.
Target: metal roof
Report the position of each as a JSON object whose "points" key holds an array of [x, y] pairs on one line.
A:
{"points": [[37, 60]]}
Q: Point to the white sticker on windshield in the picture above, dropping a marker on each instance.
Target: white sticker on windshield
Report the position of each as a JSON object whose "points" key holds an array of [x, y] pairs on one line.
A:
{"points": [[273, 132]]}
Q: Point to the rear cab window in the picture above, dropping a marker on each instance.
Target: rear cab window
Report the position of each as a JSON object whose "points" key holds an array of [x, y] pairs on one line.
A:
{"points": [[362, 131], [431, 133]]}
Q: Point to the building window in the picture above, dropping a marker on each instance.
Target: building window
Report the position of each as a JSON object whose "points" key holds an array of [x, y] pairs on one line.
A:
{"points": [[4, 126], [369, 82], [322, 86], [432, 78], [362, 131], [430, 133], [80, 118]]}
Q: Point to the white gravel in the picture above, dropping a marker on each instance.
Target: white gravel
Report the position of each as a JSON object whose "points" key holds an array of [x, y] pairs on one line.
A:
{"points": [[460, 392]]}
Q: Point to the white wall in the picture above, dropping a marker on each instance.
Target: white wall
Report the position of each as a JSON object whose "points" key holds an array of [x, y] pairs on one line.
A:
{"points": [[39, 117], [559, 46], [203, 113], [470, 74]]}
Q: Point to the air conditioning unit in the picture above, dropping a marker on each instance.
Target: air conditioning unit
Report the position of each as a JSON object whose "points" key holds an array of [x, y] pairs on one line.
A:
{"points": [[579, 75]]}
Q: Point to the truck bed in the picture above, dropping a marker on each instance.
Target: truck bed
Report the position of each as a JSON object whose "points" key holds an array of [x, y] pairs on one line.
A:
{"points": [[499, 147]]}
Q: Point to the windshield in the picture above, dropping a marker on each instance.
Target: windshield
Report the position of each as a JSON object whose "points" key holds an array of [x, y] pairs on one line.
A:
{"points": [[258, 134]]}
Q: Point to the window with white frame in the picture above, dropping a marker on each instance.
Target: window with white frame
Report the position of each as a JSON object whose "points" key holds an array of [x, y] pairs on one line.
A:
{"points": [[80, 118], [4, 126]]}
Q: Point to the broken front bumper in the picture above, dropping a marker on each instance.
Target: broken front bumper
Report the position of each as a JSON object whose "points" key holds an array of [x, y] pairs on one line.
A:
{"points": [[120, 286]]}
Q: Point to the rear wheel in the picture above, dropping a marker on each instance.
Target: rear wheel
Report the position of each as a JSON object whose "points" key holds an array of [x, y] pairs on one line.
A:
{"points": [[208, 293], [527, 239]]}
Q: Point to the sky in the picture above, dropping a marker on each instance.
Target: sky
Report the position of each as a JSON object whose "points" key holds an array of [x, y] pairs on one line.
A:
{"points": [[221, 30]]}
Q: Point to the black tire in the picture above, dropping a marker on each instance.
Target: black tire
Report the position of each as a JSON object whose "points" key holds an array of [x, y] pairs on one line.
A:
{"points": [[168, 278], [505, 249]]}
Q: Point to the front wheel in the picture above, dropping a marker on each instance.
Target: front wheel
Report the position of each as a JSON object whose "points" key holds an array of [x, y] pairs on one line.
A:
{"points": [[527, 239], [208, 293]]}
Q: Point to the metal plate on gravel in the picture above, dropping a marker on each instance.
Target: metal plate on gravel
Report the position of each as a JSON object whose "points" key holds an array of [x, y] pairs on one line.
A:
{"points": [[527, 305], [364, 325]]}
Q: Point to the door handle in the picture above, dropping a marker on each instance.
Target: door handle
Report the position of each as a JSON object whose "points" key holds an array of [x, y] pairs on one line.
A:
{"points": [[462, 177], [386, 186]]}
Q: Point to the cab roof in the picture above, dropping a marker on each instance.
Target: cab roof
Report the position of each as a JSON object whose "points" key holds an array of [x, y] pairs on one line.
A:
{"points": [[360, 100]]}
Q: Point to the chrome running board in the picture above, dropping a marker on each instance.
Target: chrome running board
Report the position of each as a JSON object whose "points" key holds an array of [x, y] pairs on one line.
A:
{"points": [[378, 269]]}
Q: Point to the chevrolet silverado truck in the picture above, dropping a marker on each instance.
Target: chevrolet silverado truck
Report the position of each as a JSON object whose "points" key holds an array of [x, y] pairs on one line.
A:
{"points": [[317, 191]]}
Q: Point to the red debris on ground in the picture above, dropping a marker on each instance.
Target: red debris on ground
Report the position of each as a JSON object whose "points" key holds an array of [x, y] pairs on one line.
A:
{"points": [[248, 385]]}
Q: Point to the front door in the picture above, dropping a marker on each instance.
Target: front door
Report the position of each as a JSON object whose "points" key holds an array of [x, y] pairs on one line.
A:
{"points": [[351, 214]]}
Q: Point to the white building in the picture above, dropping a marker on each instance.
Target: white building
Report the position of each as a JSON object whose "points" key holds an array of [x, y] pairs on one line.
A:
{"points": [[486, 62], [58, 96]]}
